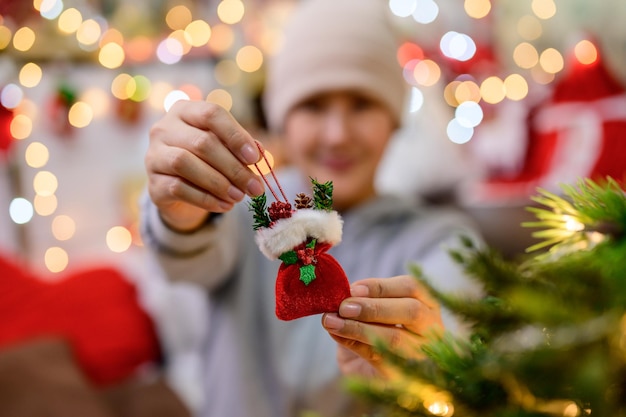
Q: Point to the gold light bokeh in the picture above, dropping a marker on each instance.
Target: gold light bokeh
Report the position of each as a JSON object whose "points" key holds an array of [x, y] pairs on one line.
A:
{"points": [[111, 55], [56, 259], [45, 183], [198, 33], [36, 155], [30, 75], [516, 87], [262, 165], [477, 9], [23, 39], [98, 100], [543, 9], [178, 17], [230, 11], [88, 32], [492, 90], [63, 227], [525, 55], [45, 205], [427, 72], [222, 38], [586, 52], [551, 61], [5, 36], [119, 86], [467, 91], [70, 20], [249, 58], [221, 97], [21, 126], [80, 114], [118, 239]]}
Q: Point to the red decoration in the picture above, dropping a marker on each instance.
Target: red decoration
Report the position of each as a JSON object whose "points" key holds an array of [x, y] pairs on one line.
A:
{"points": [[96, 311], [295, 298], [6, 139]]}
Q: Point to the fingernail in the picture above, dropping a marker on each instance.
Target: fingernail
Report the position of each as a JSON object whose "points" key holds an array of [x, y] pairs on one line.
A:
{"points": [[360, 291], [255, 187], [226, 206], [350, 310], [235, 193], [332, 322], [249, 153]]}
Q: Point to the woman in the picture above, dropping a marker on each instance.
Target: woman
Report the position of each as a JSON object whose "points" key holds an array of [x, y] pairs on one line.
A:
{"points": [[335, 94]]}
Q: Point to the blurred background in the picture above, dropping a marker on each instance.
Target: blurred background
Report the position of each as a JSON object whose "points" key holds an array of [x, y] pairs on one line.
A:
{"points": [[506, 96]]}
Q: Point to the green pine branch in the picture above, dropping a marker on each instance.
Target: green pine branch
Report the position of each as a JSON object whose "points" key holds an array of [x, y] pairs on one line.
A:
{"points": [[322, 195], [258, 206]]}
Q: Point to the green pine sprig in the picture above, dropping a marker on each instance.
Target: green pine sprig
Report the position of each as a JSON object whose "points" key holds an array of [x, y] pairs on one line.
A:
{"points": [[322, 195], [258, 206], [583, 216]]}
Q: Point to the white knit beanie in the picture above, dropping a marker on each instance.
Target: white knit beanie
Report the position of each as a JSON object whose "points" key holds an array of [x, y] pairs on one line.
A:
{"points": [[335, 45]]}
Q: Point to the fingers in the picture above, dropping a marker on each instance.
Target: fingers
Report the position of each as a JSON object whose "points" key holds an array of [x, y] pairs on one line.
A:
{"points": [[361, 337], [199, 155], [394, 287]]}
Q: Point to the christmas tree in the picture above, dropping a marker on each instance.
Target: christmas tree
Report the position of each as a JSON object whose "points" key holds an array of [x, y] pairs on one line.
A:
{"points": [[548, 338]]}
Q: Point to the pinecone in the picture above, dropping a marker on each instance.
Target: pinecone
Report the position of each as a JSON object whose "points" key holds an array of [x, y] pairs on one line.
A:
{"points": [[303, 201], [279, 210]]}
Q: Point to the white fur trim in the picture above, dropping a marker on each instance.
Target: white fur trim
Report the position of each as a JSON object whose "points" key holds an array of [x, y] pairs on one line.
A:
{"points": [[285, 234]]}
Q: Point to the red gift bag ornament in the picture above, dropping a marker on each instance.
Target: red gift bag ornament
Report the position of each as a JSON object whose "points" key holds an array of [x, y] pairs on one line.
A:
{"points": [[309, 280]]}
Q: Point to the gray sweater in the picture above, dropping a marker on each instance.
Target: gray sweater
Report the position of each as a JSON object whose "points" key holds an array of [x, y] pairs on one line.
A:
{"points": [[257, 365]]}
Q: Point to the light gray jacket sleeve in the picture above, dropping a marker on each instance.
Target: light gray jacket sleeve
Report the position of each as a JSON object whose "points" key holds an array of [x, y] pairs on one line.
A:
{"points": [[206, 256]]}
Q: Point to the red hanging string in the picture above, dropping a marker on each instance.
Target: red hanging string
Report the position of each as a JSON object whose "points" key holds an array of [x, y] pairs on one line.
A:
{"points": [[273, 176]]}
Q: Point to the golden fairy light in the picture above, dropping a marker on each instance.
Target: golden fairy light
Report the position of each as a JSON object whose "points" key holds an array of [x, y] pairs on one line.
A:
{"points": [[525, 55], [5, 36], [516, 87], [221, 97], [139, 49], [80, 114], [551, 61], [21, 126], [178, 17], [23, 39], [88, 32], [427, 72], [30, 75], [69, 21], [249, 58], [98, 100], [477, 9], [45, 183], [265, 165], [492, 90], [222, 38], [540, 76], [45, 205], [543, 9], [63, 227], [230, 11], [159, 91], [120, 86], [111, 55], [467, 91], [56, 259], [119, 239], [586, 52], [198, 33], [36, 155], [183, 40]]}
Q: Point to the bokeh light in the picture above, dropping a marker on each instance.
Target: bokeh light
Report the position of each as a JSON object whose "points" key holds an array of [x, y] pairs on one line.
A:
{"points": [[45, 205], [230, 11], [492, 90], [467, 91], [543, 9], [5, 36], [36, 155], [45, 183], [221, 97], [427, 72], [119, 239], [51, 9], [425, 12], [98, 100], [11, 96], [516, 87], [402, 8], [178, 17], [23, 39], [529, 27], [457, 46], [30, 75], [249, 58], [56, 259], [416, 100], [70, 20], [477, 9], [80, 114], [20, 210], [458, 133], [111, 55], [222, 38], [586, 52], [63, 227], [198, 33], [262, 167], [172, 97], [170, 51], [159, 92], [469, 114], [525, 55], [551, 61], [21, 126], [88, 32]]}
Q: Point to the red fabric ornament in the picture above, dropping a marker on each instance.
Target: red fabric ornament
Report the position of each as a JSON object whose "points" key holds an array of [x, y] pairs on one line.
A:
{"points": [[309, 280], [6, 139], [297, 297], [96, 311]]}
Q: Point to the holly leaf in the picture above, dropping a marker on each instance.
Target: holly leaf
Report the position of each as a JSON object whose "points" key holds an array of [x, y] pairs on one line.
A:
{"points": [[289, 258], [307, 274]]}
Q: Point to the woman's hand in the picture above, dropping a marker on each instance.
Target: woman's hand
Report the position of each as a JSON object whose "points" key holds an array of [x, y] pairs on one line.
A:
{"points": [[197, 163], [396, 311]]}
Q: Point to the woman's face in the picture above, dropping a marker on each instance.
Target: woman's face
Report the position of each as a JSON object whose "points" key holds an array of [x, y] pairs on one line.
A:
{"points": [[339, 137]]}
